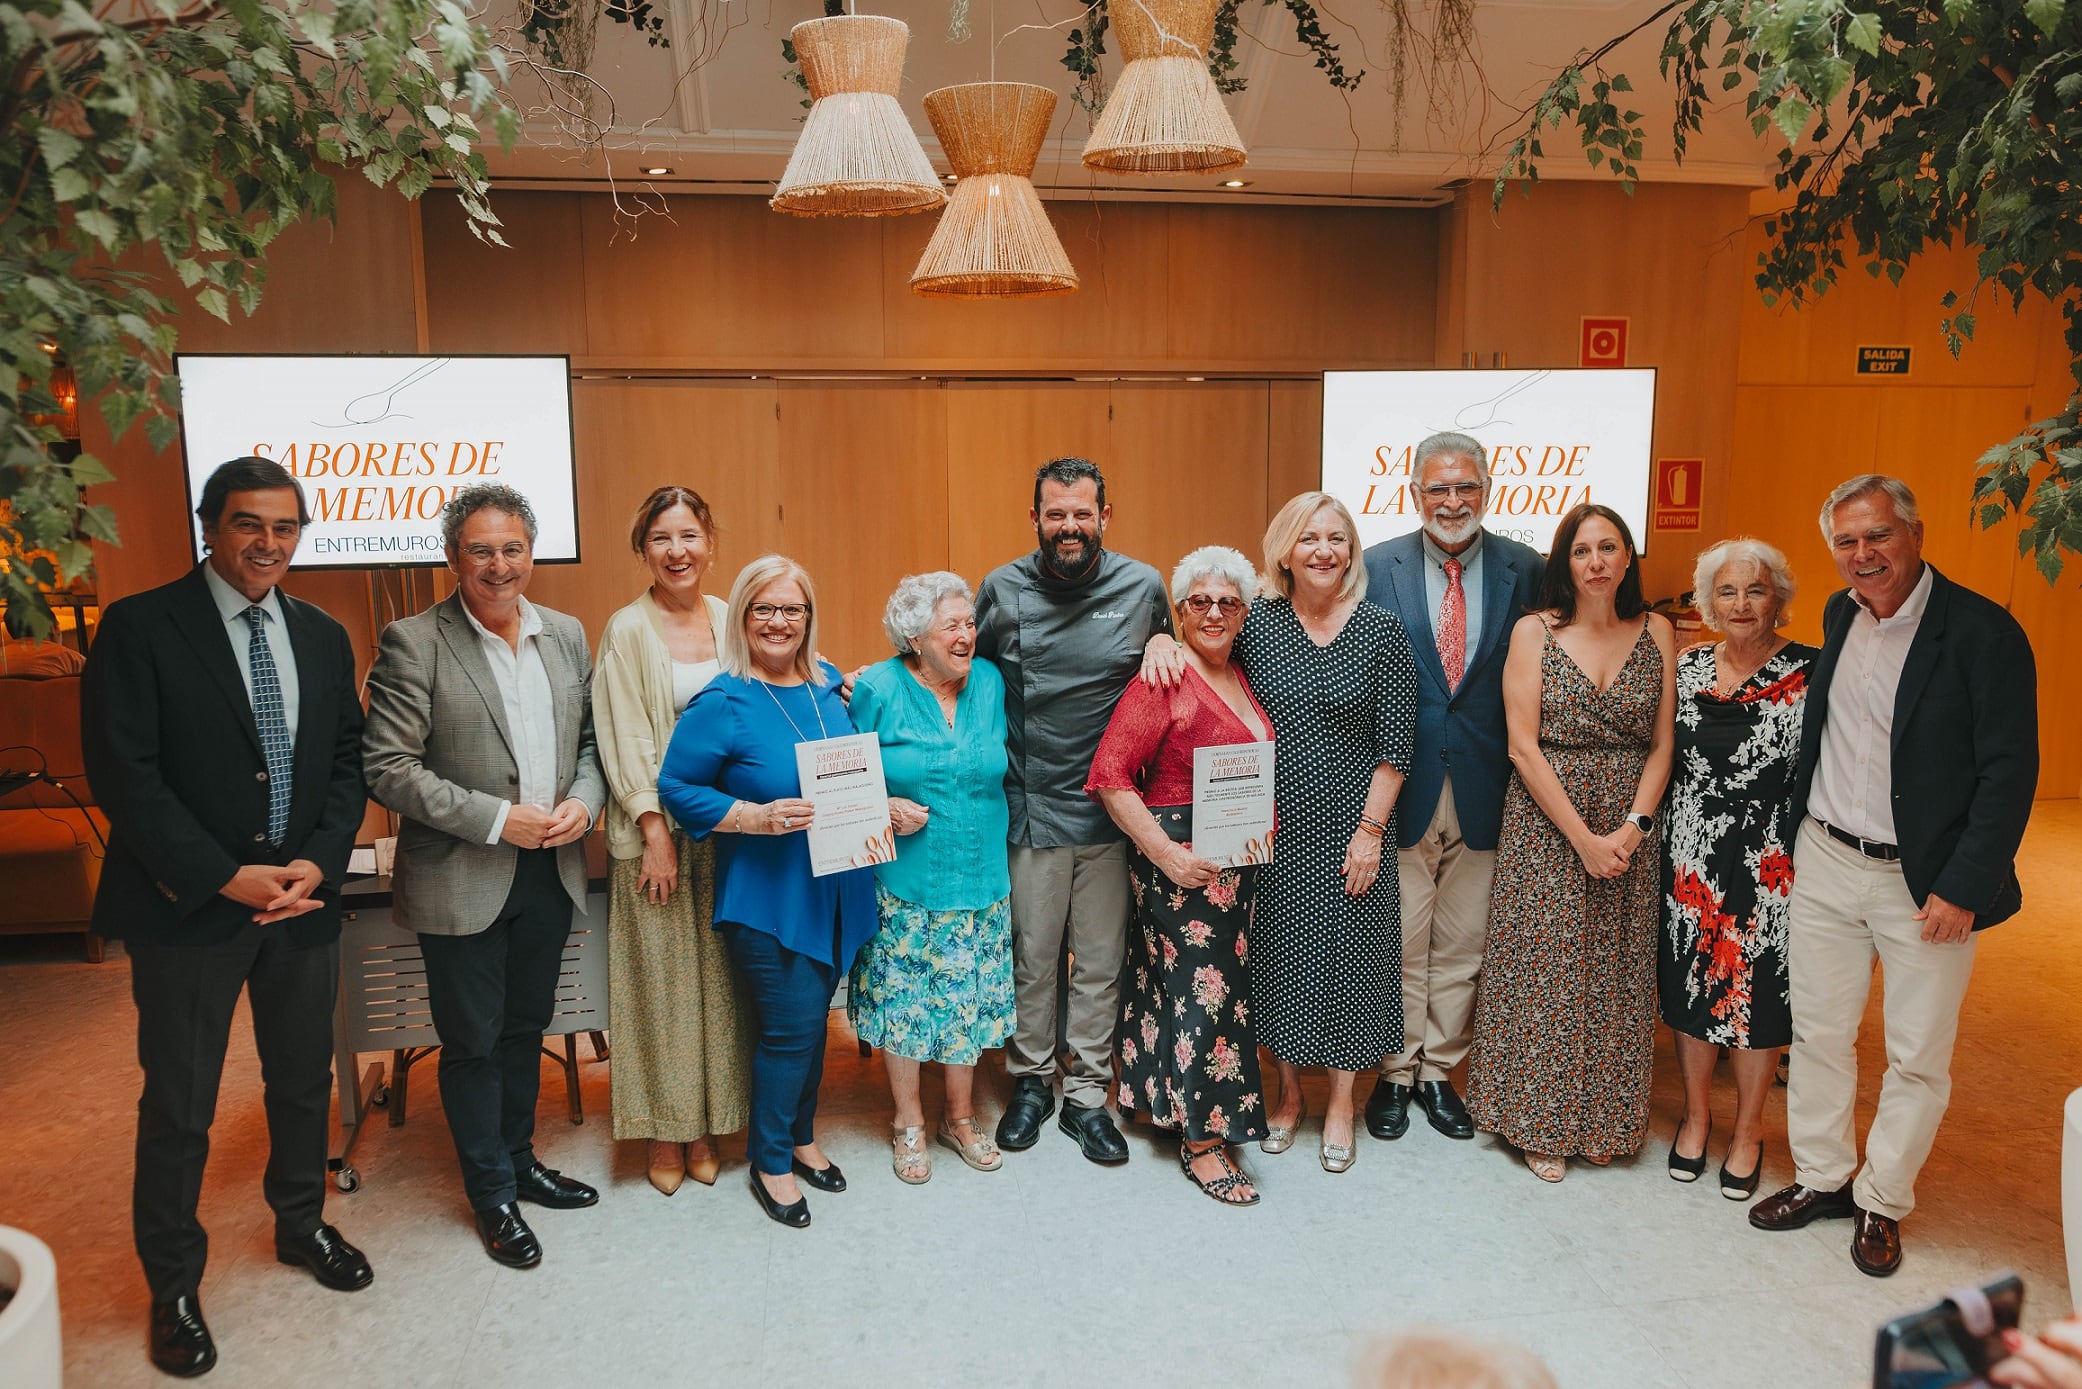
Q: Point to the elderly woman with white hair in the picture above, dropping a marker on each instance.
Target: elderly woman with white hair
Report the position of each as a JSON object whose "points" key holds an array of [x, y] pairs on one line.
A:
{"points": [[1188, 1058], [1728, 877], [934, 984]]}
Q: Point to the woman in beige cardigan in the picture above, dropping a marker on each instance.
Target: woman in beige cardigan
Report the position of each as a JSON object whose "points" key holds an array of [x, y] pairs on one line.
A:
{"points": [[682, 1044]]}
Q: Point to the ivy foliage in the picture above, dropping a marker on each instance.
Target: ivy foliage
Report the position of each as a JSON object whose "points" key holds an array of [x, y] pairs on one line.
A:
{"points": [[194, 134], [1904, 123], [1088, 45]]}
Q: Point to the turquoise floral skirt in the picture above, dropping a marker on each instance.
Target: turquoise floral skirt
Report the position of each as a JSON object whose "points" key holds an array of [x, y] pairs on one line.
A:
{"points": [[934, 985]]}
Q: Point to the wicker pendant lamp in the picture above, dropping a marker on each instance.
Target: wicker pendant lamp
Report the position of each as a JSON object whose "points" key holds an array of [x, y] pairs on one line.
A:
{"points": [[1164, 116], [994, 241], [857, 156]]}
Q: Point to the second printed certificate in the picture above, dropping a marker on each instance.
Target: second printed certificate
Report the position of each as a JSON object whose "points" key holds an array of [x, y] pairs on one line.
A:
{"points": [[842, 778], [1232, 804]]}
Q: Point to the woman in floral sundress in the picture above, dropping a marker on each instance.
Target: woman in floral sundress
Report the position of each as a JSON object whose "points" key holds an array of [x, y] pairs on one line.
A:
{"points": [[1188, 1061], [1565, 1013]]}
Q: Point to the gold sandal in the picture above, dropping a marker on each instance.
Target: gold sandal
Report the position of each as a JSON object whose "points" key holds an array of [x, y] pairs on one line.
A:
{"points": [[977, 1150], [1279, 1138], [907, 1155]]}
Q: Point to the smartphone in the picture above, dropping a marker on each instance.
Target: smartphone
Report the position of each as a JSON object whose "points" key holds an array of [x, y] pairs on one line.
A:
{"points": [[1951, 1344]]}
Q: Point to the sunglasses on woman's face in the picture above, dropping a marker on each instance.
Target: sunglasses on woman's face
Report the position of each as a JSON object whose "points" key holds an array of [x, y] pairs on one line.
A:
{"points": [[1201, 602]]}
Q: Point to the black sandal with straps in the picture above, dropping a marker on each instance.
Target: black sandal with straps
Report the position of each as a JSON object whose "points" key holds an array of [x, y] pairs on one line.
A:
{"points": [[1223, 1188]]}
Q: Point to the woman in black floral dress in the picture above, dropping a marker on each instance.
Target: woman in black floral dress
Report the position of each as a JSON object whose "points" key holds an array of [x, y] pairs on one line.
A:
{"points": [[1728, 879]]}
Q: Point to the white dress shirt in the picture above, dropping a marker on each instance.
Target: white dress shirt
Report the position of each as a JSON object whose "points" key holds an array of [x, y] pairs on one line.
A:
{"points": [[1854, 777], [531, 712], [232, 605]]}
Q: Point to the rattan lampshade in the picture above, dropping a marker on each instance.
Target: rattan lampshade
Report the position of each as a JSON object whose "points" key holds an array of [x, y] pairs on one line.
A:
{"points": [[1164, 116], [857, 156], [994, 240]]}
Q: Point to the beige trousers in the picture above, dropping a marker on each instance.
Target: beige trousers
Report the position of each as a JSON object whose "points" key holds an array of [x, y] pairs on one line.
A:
{"points": [[1848, 910], [1445, 916], [1074, 898]]}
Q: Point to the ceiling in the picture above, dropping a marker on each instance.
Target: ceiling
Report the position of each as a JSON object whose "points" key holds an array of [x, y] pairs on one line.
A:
{"points": [[716, 108]]}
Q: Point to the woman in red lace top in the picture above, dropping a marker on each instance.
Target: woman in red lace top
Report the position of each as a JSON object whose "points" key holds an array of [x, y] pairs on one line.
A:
{"points": [[1188, 1061]]}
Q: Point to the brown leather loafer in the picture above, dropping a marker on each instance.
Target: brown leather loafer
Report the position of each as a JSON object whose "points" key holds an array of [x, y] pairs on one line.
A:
{"points": [[1798, 1205], [1876, 1244]]}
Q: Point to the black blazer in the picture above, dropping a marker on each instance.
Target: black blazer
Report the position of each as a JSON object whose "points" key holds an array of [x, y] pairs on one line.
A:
{"points": [[174, 757], [1965, 750]]}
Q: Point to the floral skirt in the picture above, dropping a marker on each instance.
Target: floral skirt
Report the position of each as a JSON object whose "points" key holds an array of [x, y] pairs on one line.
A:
{"points": [[1187, 1057], [934, 985]]}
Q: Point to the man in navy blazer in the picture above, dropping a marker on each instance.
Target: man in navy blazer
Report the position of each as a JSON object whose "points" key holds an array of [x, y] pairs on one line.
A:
{"points": [[221, 729], [1919, 754], [1457, 588]]}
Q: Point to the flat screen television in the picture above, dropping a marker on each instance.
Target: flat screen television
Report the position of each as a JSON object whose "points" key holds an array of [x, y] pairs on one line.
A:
{"points": [[380, 444], [1554, 438]]}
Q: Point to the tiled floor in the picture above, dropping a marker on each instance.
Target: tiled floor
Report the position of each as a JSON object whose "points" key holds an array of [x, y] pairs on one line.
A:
{"points": [[1051, 1271]]}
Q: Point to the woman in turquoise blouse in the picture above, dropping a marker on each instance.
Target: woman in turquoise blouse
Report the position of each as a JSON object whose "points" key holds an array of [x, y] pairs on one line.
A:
{"points": [[935, 983]]}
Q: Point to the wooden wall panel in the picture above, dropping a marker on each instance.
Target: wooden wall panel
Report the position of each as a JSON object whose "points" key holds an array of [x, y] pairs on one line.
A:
{"points": [[1187, 469], [527, 297], [997, 435], [720, 438], [864, 480], [1294, 461]]}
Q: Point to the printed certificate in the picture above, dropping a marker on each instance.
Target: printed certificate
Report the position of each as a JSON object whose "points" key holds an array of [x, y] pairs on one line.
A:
{"points": [[842, 778], [1232, 803]]}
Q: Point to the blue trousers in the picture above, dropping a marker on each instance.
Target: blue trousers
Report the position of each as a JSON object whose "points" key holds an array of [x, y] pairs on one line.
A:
{"points": [[791, 999]]}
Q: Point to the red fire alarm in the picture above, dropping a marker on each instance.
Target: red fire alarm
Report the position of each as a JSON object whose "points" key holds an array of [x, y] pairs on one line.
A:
{"points": [[1604, 343]]}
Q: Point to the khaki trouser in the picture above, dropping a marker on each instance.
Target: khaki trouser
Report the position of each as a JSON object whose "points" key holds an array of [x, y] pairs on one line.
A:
{"points": [[1074, 897], [1846, 911], [1445, 917]]}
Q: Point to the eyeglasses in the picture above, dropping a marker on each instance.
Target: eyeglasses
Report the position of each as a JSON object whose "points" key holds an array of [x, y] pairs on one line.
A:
{"points": [[1201, 602], [512, 553], [1460, 491], [790, 613]]}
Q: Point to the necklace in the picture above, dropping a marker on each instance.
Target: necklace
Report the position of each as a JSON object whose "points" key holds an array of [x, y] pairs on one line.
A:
{"points": [[800, 736], [1728, 689]]}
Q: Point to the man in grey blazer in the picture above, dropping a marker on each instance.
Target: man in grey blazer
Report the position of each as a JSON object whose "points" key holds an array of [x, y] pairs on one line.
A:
{"points": [[1457, 588], [480, 737]]}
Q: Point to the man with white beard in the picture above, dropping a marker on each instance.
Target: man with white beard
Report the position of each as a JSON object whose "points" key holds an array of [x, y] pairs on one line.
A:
{"points": [[1457, 589]]}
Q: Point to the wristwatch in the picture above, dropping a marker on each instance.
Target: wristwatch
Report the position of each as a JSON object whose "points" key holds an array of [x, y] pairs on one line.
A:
{"points": [[1643, 823]]}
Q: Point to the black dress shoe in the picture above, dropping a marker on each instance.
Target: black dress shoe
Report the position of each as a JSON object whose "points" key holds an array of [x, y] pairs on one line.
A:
{"points": [[181, 1343], [796, 1214], [825, 1178], [545, 1186], [1388, 1110], [1442, 1106], [1876, 1244], [507, 1237], [1094, 1131], [1033, 1100], [331, 1259], [1795, 1206], [1733, 1187]]}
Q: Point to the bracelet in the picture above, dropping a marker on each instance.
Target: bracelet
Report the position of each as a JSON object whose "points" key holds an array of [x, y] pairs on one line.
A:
{"points": [[737, 810], [1372, 827]]}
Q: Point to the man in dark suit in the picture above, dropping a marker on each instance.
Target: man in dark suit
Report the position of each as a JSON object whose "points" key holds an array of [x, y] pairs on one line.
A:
{"points": [[1919, 754], [222, 735], [1457, 588], [480, 737]]}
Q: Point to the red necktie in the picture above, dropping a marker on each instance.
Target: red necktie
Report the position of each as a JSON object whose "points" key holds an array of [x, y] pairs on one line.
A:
{"points": [[1453, 627]]}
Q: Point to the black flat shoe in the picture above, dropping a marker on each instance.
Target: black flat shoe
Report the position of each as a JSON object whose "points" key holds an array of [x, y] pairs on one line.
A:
{"points": [[1442, 1107], [181, 1343], [1684, 1169], [1738, 1188], [825, 1178], [507, 1238], [545, 1186], [331, 1259], [1388, 1110], [1033, 1100], [795, 1215], [1093, 1129]]}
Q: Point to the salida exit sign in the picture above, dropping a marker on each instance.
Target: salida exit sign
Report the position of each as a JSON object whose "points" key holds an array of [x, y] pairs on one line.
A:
{"points": [[1883, 361]]}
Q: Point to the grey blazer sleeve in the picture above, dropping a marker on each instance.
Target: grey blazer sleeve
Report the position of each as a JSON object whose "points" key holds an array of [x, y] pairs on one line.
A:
{"points": [[394, 741]]}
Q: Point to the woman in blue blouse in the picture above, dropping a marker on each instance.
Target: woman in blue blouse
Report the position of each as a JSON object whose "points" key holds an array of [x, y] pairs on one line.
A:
{"points": [[935, 984], [730, 770]]}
